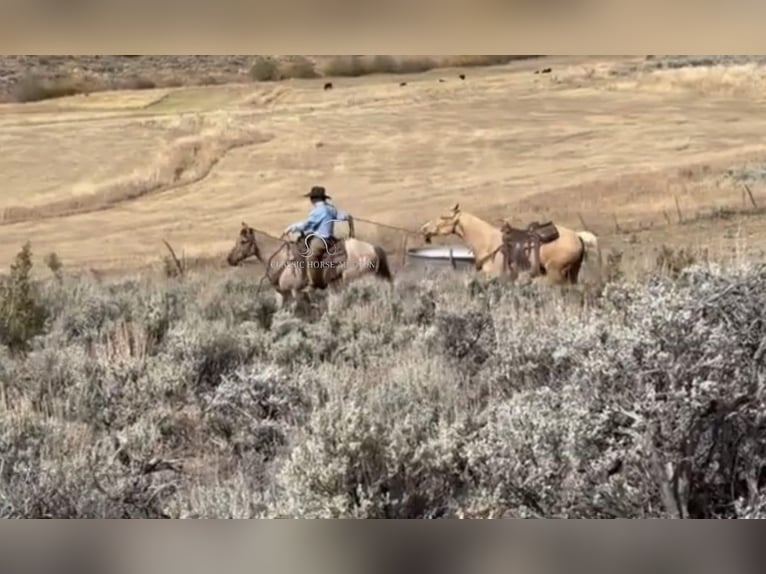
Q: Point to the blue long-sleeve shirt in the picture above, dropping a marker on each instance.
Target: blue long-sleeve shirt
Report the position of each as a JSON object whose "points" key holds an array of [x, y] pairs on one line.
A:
{"points": [[321, 220]]}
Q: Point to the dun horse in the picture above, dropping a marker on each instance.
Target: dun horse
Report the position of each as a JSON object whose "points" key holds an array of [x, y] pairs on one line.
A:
{"points": [[558, 260], [286, 265]]}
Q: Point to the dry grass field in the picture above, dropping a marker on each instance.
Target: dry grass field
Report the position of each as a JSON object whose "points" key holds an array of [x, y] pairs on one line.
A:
{"points": [[103, 178]]}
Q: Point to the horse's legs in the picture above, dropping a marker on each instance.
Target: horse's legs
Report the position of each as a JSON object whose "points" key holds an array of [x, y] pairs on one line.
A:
{"points": [[337, 285], [554, 275], [284, 298], [572, 271]]}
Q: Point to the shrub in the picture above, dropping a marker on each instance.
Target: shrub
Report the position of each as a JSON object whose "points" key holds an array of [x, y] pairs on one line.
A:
{"points": [[613, 271], [54, 264], [22, 317], [392, 452], [416, 65], [437, 397], [355, 66], [269, 69], [135, 83], [265, 69], [34, 89], [483, 60], [674, 261], [298, 67], [352, 66], [385, 65]]}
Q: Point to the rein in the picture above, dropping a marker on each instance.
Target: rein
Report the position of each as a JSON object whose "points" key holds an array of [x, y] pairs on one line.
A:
{"points": [[267, 264], [491, 255], [480, 263]]}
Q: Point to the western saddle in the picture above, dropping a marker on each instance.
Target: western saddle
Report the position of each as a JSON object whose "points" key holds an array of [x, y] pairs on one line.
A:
{"points": [[332, 261], [521, 247]]}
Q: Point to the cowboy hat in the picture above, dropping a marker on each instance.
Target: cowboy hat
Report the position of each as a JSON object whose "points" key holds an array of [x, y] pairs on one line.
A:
{"points": [[317, 192]]}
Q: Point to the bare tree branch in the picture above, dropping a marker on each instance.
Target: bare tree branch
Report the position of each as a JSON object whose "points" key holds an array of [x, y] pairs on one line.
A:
{"points": [[176, 261]]}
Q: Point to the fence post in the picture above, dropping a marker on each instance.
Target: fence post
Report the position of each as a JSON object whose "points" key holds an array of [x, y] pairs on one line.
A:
{"points": [[404, 250], [678, 210], [582, 221], [750, 195]]}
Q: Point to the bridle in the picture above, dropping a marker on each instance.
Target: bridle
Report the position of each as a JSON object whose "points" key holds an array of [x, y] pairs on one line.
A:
{"points": [[457, 229], [273, 279], [453, 231]]}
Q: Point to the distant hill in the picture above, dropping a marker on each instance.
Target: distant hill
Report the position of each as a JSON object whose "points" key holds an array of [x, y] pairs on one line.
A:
{"points": [[28, 78]]}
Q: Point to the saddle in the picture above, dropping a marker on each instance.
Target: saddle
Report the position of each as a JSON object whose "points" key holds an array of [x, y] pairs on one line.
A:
{"points": [[546, 231], [521, 247], [332, 261], [336, 252]]}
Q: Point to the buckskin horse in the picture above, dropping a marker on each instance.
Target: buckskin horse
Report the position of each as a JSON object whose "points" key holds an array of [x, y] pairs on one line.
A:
{"points": [[556, 256], [286, 266]]}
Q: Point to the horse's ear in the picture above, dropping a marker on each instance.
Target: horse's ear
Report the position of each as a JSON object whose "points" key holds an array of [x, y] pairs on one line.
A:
{"points": [[244, 224], [456, 208]]}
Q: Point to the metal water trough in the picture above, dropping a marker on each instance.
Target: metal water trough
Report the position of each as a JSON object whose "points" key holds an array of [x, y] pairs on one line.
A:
{"points": [[456, 256]]}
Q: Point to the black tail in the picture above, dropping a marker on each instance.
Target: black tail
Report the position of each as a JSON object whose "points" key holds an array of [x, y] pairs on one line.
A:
{"points": [[574, 271], [383, 270]]}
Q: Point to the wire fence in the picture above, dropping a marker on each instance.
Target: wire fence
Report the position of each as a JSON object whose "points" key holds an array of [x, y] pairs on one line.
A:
{"points": [[394, 239], [397, 240]]}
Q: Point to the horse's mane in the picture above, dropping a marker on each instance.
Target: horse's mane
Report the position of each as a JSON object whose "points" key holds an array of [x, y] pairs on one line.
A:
{"points": [[268, 245], [479, 220], [267, 240]]}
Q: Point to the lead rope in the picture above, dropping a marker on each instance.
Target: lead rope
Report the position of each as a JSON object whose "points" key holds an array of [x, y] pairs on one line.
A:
{"points": [[268, 266], [480, 263]]}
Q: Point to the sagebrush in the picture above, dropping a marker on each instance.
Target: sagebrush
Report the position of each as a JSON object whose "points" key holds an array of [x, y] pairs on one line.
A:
{"points": [[446, 396]]}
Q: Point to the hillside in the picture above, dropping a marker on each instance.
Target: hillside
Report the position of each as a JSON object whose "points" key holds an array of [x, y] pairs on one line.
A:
{"points": [[103, 179], [21, 76]]}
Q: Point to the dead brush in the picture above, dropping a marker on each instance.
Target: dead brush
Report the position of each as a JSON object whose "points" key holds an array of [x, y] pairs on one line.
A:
{"points": [[127, 342], [34, 89], [356, 66], [672, 261], [613, 270], [173, 266], [137, 487], [477, 60]]}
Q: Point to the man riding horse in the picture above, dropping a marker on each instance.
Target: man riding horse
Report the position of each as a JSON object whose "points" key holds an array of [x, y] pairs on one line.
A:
{"points": [[318, 229]]}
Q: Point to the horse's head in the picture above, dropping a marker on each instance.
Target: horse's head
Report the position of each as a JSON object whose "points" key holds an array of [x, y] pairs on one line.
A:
{"points": [[245, 246], [445, 224]]}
